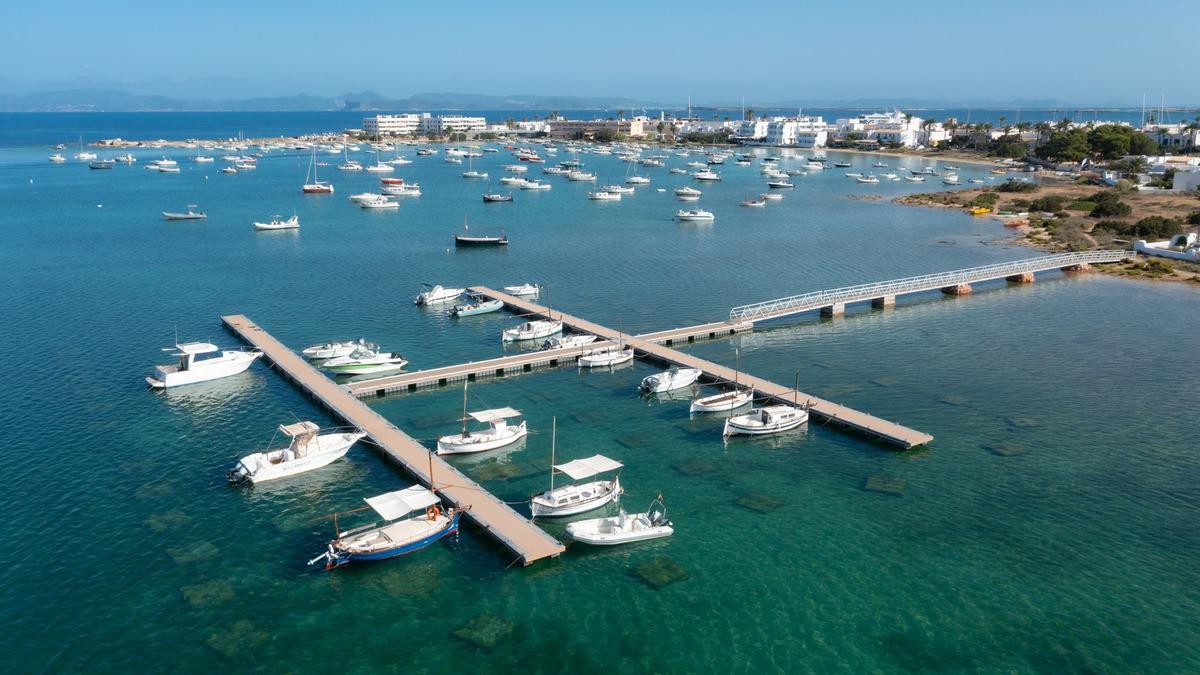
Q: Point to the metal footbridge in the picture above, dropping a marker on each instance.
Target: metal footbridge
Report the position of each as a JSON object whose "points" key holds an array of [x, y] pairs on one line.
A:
{"points": [[884, 292]]}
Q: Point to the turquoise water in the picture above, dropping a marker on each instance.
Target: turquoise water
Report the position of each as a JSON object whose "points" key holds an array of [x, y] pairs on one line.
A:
{"points": [[1050, 527]]}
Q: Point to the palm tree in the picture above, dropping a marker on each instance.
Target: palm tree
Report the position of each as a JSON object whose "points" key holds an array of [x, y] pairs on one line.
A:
{"points": [[1136, 165], [1063, 124]]}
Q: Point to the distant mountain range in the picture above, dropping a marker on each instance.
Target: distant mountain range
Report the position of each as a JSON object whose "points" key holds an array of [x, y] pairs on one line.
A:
{"points": [[109, 100], [113, 100]]}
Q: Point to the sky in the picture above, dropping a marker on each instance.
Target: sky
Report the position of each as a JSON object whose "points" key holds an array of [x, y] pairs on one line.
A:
{"points": [[1084, 52]]}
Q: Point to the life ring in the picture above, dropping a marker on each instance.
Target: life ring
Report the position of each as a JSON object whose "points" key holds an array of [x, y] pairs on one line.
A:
{"points": [[432, 513]]}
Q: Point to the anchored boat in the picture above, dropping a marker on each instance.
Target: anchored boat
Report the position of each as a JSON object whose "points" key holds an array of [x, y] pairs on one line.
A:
{"points": [[568, 500], [192, 365], [413, 519], [437, 295], [309, 449], [332, 350]]}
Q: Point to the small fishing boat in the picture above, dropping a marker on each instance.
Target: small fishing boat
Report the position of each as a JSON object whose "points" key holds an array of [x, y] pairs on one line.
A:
{"points": [[951, 179], [469, 240], [842, 165], [531, 330], [498, 434], [726, 400], [618, 189], [605, 356], [604, 196], [190, 368], [706, 175], [277, 223], [581, 176], [512, 180], [879, 165], [770, 419], [927, 171], [57, 158], [867, 179], [308, 449], [669, 380], [516, 168], [102, 164], [380, 202], [568, 341], [413, 519], [623, 528], [497, 197], [915, 179], [366, 359], [694, 214], [535, 185], [190, 214], [229, 169], [771, 196], [437, 295], [568, 500], [523, 290], [814, 166], [780, 185], [166, 169], [756, 203], [476, 306], [331, 350]]}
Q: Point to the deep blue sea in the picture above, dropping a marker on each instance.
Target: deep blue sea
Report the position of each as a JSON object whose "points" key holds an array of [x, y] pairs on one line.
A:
{"points": [[1052, 526]]}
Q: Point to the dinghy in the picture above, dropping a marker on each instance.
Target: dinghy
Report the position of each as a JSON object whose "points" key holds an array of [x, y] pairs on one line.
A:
{"points": [[309, 449], [623, 528]]}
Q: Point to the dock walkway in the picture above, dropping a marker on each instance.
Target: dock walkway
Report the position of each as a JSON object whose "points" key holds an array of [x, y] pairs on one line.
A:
{"points": [[860, 421], [526, 540]]}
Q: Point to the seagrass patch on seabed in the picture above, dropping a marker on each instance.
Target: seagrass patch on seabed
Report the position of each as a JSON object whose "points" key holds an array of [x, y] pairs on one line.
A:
{"points": [[660, 572], [196, 552], [208, 593], [486, 630], [759, 502], [954, 400], [695, 467], [888, 485], [1007, 449], [161, 522], [238, 642]]}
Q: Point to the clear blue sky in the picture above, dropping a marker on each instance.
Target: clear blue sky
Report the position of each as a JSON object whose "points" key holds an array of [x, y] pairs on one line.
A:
{"points": [[1072, 50]]}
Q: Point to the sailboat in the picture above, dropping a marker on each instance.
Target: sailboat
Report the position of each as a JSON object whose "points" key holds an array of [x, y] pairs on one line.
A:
{"points": [[568, 500], [498, 435], [471, 172], [84, 155], [771, 419], [607, 356], [726, 400], [314, 186]]}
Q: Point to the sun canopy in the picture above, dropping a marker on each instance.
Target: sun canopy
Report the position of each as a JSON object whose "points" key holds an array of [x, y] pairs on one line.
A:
{"points": [[494, 414], [196, 347], [299, 429], [392, 505], [589, 466]]}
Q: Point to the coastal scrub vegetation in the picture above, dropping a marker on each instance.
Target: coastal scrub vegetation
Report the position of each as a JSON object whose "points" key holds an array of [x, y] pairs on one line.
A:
{"points": [[1150, 227], [1108, 205], [1014, 185], [1107, 141]]}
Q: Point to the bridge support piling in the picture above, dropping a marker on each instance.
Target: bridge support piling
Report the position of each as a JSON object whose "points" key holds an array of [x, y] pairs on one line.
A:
{"points": [[1022, 278], [1081, 267], [958, 289], [885, 302], [836, 309]]}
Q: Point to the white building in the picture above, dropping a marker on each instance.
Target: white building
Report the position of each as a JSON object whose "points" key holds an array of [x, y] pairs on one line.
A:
{"points": [[451, 123], [886, 128], [749, 131], [394, 125], [1175, 136], [1186, 179], [797, 132]]}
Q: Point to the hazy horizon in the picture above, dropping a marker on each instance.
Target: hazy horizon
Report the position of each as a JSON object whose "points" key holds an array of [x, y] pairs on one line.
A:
{"points": [[772, 53]]}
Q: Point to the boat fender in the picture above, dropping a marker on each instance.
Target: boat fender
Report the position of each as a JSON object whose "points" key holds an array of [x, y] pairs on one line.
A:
{"points": [[432, 513]]}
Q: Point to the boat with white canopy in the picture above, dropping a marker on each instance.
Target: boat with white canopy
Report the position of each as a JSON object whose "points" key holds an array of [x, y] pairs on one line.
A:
{"points": [[278, 223], [668, 380], [498, 434], [193, 365], [308, 449], [624, 528], [413, 519], [531, 330], [568, 500]]}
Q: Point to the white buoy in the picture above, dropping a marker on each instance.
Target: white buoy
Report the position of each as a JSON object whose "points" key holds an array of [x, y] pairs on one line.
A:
{"points": [[99, 206]]}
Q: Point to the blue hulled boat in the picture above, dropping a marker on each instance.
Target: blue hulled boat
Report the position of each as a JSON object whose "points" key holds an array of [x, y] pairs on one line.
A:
{"points": [[413, 519]]}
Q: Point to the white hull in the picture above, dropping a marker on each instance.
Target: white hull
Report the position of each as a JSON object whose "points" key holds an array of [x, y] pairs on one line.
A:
{"points": [[481, 441], [605, 358], [531, 331], [331, 350], [725, 401], [275, 464], [229, 363], [759, 423], [670, 380], [625, 528], [570, 500]]}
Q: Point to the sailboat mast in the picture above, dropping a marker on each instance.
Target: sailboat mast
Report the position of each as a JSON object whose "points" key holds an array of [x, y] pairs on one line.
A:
{"points": [[553, 446], [464, 415]]}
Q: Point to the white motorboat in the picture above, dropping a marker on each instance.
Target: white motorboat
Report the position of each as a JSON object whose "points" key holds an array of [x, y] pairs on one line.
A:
{"points": [[406, 190], [380, 202], [618, 189], [669, 380], [880, 165], [531, 330], [308, 449], [516, 168], [604, 196], [474, 174], [365, 360], [192, 366], [277, 223], [951, 179], [814, 166], [780, 185], [679, 170], [380, 167], [623, 528], [770, 419], [569, 341], [523, 290], [190, 214], [706, 175], [756, 203], [57, 158], [581, 176], [512, 180], [771, 196], [568, 500], [168, 169], [365, 197], [687, 192], [437, 295], [535, 185], [229, 169], [498, 434], [915, 179], [694, 214], [331, 350], [871, 179], [638, 180], [605, 356]]}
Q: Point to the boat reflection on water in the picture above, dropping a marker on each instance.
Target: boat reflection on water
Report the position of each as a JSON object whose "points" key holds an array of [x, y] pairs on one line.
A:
{"points": [[205, 399]]}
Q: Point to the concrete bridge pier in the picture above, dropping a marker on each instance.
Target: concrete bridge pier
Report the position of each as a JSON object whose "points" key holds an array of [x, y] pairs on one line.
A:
{"points": [[958, 289], [884, 302], [836, 309], [1022, 278], [1081, 267]]}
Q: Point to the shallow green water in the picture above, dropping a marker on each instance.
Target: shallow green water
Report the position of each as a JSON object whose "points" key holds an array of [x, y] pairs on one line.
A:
{"points": [[1051, 527]]}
